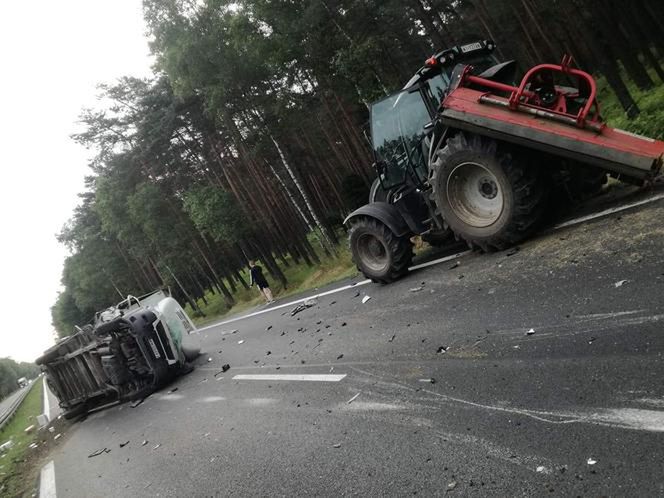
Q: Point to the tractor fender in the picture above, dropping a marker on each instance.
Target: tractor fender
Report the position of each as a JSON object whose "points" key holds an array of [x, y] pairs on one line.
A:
{"points": [[386, 213]]}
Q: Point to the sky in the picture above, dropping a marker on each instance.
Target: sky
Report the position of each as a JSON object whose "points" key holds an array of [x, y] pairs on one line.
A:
{"points": [[52, 56]]}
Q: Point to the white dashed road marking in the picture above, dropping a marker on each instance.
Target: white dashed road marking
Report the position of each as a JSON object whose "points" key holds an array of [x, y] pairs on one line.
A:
{"points": [[47, 481], [292, 377]]}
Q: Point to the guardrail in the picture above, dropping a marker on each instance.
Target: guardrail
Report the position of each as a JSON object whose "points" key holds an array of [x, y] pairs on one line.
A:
{"points": [[9, 412]]}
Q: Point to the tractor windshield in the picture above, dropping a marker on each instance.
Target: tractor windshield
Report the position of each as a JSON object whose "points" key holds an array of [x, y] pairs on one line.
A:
{"points": [[397, 128]]}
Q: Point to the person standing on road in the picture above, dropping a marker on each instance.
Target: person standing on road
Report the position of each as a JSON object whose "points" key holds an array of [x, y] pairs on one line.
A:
{"points": [[256, 277]]}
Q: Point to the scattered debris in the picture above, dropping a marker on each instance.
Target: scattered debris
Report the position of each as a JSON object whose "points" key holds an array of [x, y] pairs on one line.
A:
{"points": [[416, 289], [455, 265], [340, 356], [344, 324], [99, 452], [530, 332], [353, 398], [333, 302], [591, 340], [33, 446], [391, 339], [338, 445], [442, 349], [620, 283], [156, 446], [283, 333], [268, 353], [240, 341], [173, 390], [145, 441], [452, 485], [57, 436], [365, 299], [357, 294], [137, 402], [513, 251], [540, 469], [209, 359], [269, 327], [428, 381], [225, 367], [29, 428], [303, 306], [591, 461], [122, 445], [51, 429]]}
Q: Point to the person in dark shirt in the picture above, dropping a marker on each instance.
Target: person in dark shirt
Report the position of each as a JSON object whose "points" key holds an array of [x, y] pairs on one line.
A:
{"points": [[256, 277]]}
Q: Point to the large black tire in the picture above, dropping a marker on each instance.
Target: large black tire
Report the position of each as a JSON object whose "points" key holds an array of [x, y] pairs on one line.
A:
{"points": [[486, 195], [380, 255]]}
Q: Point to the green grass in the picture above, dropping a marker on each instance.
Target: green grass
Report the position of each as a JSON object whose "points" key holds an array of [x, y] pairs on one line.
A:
{"points": [[300, 279], [15, 430], [650, 122]]}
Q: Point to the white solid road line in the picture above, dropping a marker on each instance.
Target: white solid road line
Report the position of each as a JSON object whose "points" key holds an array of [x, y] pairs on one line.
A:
{"points": [[47, 481], [606, 212], [46, 405], [565, 224], [293, 377]]}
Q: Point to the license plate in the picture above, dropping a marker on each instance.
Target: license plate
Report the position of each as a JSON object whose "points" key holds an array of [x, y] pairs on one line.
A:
{"points": [[470, 47], [155, 351]]}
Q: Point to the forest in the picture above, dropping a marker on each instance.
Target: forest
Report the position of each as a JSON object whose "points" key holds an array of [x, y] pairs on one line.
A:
{"points": [[11, 371], [249, 140]]}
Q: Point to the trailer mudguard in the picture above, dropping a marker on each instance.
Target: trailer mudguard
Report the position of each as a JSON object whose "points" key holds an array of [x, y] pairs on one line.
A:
{"points": [[386, 213]]}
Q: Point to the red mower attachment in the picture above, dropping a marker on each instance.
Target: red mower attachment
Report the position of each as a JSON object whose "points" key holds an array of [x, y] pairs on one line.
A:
{"points": [[544, 115]]}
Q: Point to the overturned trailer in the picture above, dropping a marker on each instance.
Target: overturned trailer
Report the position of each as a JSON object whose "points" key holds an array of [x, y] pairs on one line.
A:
{"points": [[129, 351]]}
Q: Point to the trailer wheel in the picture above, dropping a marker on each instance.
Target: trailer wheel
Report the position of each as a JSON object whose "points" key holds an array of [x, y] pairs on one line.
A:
{"points": [[379, 254], [488, 197]]}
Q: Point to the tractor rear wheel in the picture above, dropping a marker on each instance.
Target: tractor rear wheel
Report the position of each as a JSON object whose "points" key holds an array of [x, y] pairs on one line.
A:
{"points": [[488, 197], [378, 253]]}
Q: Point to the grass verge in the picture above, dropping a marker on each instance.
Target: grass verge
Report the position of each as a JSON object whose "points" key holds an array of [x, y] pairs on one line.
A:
{"points": [[12, 481], [300, 278]]}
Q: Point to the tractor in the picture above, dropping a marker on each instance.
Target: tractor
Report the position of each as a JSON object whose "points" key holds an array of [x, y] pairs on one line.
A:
{"points": [[463, 153]]}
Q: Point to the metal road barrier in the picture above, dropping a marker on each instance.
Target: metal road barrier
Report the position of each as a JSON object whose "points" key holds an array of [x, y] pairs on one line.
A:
{"points": [[7, 414]]}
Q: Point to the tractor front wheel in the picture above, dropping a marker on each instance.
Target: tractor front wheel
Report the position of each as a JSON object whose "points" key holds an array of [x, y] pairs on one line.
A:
{"points": [[378, 253], [488, 197]]}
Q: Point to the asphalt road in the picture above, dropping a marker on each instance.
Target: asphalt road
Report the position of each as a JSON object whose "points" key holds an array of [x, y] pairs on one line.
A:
{"points": [[574, 408]]}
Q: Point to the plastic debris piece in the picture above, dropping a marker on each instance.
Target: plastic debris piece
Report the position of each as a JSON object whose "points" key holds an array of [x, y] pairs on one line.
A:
{"points": [[620, 283], [97, 453], [144, 442], [240, 341], [57, 436], [541, 468], [391, 339], [338, 445], [591, 340], [442, 349], [156, 446], [416, 289], [51, 429], [137, 402], [530, 332], [173, 390], [268, 353], [591, 461], [122, 445], [455, 265], [209, 360], [225, 367], [451, 485], [513, 251], [428, 381], [353, 398], [269, 327], [365, 299], [340, 356]]}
